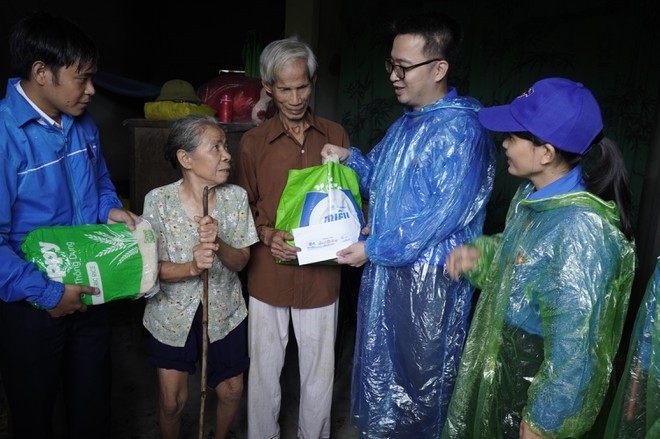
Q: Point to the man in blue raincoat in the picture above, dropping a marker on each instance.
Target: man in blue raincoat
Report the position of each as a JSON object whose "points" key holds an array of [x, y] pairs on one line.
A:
{"points": [[428, 182]]}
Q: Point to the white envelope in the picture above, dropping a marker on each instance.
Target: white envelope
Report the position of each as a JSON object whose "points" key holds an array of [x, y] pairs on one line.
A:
{"points": [[321, 242]]}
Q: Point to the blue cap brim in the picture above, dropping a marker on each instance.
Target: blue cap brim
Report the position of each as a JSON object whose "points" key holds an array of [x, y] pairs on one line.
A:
{"points": [[500, 119]]}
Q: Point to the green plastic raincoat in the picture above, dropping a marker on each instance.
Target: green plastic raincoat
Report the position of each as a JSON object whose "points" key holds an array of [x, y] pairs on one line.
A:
{"points": [[636, 409], [555, 288]]}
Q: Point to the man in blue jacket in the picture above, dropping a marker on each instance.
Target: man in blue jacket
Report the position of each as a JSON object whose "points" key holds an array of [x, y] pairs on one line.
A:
{"points": [[52, 173]]}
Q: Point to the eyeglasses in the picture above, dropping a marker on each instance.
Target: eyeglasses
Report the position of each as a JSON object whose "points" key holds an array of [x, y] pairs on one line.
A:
{"points": [[400, 71]]}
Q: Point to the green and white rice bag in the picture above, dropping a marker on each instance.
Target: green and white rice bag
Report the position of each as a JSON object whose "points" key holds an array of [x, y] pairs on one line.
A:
{"points": [[121, 263]]}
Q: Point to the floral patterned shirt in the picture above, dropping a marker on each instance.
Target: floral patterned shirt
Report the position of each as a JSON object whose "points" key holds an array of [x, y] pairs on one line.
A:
{"points": [[169, 313]]}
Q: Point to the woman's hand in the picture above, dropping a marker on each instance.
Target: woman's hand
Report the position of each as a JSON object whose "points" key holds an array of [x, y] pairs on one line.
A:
{"points": [[526, 432], [208, 228], [203, 254], [460, 260]]}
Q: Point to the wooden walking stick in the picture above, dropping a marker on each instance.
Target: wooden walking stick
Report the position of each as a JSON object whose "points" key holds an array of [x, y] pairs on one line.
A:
{"points": [[205, 326]]}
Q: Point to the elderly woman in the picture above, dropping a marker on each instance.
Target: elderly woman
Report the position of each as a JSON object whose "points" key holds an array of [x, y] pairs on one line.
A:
{"points": [[189, 244]]}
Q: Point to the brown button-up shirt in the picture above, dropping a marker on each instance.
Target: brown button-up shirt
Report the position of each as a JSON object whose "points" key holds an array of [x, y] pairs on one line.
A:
{"points": [[265, 155]]}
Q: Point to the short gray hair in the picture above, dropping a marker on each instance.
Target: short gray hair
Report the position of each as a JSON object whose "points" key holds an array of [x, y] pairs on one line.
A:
{"points": [[279, 52], [186, 134]]}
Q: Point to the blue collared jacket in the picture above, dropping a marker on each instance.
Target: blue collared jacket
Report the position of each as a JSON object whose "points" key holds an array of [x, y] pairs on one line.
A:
{"points": [[48, 177]]}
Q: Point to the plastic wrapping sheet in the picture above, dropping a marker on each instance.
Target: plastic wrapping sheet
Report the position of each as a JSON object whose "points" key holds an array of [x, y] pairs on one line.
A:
{"points": [[412, 320], [636, 409], [250, 102], [555, 289]]}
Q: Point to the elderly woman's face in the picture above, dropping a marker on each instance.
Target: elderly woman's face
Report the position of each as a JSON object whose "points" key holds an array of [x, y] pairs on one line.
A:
{"points": [[292, 90], [210, 161]]}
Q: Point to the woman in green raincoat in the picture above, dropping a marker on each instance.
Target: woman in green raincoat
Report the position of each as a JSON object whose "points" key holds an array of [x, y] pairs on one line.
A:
{"points": [[555, 283], [635, 413]]}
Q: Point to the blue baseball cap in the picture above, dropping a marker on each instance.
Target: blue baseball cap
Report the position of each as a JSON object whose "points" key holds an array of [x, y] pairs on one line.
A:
{"points": [[559, 111]]}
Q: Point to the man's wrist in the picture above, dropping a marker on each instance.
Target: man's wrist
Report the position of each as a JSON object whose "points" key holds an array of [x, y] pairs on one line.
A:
{"points": [[265, 235]]}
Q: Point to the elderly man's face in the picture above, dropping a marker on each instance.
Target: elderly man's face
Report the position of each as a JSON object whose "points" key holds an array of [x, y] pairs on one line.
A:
{"points": [[292, 90]]}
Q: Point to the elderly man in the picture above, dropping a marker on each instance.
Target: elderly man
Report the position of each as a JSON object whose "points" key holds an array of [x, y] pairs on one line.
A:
{"points": [[306, 295]]}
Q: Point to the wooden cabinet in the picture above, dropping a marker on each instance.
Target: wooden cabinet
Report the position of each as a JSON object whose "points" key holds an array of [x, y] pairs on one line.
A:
{"points": [[147, 166]]}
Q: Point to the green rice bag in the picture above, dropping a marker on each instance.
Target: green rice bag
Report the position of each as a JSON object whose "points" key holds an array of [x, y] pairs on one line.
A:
{"points": [[120, 263], [319, 194]]}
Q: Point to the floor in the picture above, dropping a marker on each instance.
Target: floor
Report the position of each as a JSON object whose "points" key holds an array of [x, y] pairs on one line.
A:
{"points": [[135, 386]]}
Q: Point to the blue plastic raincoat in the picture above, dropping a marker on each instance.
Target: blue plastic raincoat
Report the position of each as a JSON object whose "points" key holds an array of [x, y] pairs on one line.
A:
{"points": [[636, 409], [555, 289], [428, 182]]}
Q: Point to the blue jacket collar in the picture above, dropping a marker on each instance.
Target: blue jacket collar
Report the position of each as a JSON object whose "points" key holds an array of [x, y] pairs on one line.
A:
{"points": [[23, 111]]}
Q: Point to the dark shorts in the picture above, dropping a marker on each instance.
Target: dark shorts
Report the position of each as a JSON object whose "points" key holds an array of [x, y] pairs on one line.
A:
{"points": [[226, 358]]}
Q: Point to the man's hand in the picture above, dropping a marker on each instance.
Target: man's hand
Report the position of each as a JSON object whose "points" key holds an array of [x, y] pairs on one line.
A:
{"points": [[342, 153], [280, 249], [353, 255], [117, 215], [71, 300]]}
